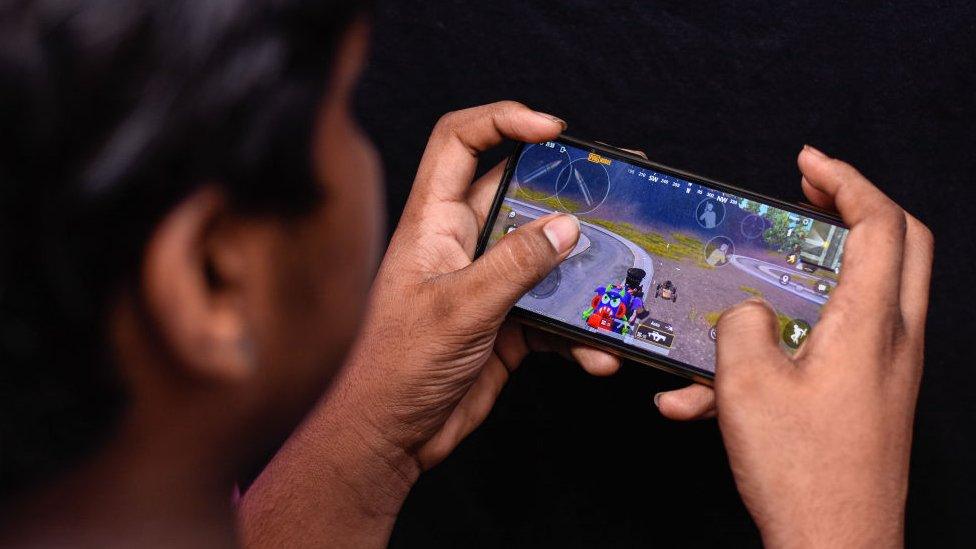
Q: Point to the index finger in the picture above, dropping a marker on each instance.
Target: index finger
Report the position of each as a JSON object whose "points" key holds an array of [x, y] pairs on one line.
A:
{"points": [[451, 157], [873, 252]]}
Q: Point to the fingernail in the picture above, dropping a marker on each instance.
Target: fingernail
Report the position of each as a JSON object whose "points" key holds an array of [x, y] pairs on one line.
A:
{"points": [[555, 119], [657, 400], [562, 232], [815, 151]]}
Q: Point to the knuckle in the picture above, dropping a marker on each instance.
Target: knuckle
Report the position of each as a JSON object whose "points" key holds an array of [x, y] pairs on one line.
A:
{"points": [[527, 249], [923, 236], [504, 115], [899, 220], [848, 175], [751, 310], [887, 216], [506, 105], [448, 123], [846, 172], [927, 237], [501, 266]]}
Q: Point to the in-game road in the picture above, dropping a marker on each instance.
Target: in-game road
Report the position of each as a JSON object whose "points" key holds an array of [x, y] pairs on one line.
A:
{"points": [[602, 258]]}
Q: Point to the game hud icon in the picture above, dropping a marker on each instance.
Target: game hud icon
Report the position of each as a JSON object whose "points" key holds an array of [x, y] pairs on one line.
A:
{"points": [[538, 168], [752, 226], [719, 250], [655, 332], [710, 213], [582, 187], [548, 285], [823, 287], [795, 333]]}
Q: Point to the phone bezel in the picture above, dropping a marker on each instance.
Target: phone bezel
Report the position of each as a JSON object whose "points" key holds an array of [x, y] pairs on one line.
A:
{"points": [[605, 342]]}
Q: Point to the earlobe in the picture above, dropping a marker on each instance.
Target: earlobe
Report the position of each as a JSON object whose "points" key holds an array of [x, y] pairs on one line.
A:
{"points": [[192, 291]]}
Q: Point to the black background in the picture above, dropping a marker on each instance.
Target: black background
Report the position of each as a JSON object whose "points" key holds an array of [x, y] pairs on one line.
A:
{"points": [[731, 92]]}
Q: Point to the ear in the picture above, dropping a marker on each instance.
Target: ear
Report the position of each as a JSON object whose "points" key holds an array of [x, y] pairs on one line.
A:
{"points": [[192, 289]]}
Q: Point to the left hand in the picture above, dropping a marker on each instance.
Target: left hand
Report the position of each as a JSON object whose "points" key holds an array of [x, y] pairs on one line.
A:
{"points": [[453, 350]]}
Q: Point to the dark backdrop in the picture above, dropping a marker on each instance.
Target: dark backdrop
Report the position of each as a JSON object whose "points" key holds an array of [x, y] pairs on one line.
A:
{"points": [[731, 92]]}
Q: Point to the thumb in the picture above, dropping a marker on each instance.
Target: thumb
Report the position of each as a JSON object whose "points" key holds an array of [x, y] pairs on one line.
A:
{"points": [[519, 261], [748, 340]]}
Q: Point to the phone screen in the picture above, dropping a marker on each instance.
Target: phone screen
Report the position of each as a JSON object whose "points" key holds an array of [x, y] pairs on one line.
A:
{"points": [[661, 256]]}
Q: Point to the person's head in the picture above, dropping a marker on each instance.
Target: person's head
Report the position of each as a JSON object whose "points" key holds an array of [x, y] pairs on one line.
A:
{"points": [[190, 220]]}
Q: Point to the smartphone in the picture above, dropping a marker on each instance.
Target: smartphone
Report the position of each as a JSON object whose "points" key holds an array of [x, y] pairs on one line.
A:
{"points": [[662, 253]]}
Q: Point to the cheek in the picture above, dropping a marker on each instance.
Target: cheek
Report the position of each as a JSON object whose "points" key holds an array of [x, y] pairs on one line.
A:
{"points": [[346, 265], [342, 242], [325, 268], [349, 171], [325, 263], [356, 214]]}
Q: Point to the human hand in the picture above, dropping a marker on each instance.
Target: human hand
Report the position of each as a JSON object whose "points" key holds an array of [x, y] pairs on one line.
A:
{"points": [[434, 351], [453, 349], [819, 442]]}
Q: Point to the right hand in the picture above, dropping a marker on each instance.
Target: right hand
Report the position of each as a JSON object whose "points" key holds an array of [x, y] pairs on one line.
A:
{"points": [[819, 442]]}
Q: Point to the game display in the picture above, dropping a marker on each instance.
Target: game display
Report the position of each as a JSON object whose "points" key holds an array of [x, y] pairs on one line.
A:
{"points": [[659, 258]]}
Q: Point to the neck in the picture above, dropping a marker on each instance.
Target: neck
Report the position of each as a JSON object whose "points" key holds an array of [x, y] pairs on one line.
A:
{"points": [[139, 492]]}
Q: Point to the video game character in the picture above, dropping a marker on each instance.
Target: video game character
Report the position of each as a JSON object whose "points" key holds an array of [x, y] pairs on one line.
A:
{"points": [[667, 290], [607, 311], [634, 298]]}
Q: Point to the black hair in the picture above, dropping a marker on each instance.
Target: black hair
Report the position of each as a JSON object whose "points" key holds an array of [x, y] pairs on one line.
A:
{"points": [[111, 112]]}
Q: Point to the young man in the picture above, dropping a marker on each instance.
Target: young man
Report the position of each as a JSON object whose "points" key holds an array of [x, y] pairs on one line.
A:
{"points": [[191, 214]]}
